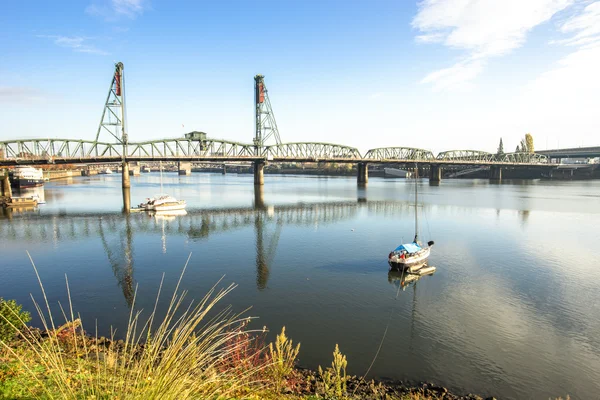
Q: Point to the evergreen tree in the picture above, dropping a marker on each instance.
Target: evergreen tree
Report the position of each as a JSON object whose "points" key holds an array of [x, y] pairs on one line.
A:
{"points": [[500, 148]]}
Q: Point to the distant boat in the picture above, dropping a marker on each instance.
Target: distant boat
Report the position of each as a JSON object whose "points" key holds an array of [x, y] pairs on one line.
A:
{"points": [[106, 171], [145, 168], [411, 256], [397, 173], [24, 177]]}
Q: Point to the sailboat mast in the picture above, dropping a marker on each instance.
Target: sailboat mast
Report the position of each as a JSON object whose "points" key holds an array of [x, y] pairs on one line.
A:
{"points": [[160, 169], [416, 200]]}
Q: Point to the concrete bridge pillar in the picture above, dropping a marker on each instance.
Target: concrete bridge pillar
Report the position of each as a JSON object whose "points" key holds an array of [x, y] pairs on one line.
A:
{"points": [[496, 173], [362, 173], [6, 189], [125, 175], [126, 200], [259, 197], [184, 168], [224, 169], [134, 169], [435, 173], [259, 172]]}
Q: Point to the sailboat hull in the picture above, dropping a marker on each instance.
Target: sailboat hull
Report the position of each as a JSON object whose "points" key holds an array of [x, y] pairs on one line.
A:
{"points": [[413, 262]]}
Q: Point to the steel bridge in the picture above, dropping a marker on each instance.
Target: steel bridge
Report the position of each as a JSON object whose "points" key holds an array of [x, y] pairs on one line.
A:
{"points": [[197, 147], [76, 151]]}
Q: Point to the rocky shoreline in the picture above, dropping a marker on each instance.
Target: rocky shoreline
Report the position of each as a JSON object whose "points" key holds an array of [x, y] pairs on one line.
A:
{"points": [[376, 389]]}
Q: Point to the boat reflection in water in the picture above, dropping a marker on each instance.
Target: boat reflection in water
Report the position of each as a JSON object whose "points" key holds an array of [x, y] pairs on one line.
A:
{"points": [[169, 215], [403, 278]]}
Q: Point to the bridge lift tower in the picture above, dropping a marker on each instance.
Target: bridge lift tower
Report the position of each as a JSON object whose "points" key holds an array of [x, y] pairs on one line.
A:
{"points": [[114, 116], [265, 125]]}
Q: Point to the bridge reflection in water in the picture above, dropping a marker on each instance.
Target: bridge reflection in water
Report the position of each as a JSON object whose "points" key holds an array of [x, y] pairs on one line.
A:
{"points": [[117, 231]]}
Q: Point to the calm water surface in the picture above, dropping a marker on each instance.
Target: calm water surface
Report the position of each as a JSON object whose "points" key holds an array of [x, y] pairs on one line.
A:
{"points": [[512, 311]]}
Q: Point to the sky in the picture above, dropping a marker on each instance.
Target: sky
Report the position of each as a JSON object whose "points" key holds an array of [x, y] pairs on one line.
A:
{"points": [[433, 74]]}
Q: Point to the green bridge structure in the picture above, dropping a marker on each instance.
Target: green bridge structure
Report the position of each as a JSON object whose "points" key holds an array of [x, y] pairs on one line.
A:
{"points": [[197, 147]]}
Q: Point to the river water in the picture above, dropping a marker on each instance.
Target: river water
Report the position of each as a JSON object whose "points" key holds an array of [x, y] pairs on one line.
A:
{"points": [[513, 309]]}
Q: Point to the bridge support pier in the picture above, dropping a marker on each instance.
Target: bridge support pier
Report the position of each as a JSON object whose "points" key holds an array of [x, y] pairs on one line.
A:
{"points": [[259, 172], [224, 169], [259, 197], [126, 200], [184, 168], [362, 174], [495, 173], [6, 189], [435, 173], [134, 169], [125, 175]]}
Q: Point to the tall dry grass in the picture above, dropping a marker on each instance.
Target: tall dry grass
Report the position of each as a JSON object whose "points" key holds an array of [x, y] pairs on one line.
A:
{"points": [[178, 355]]}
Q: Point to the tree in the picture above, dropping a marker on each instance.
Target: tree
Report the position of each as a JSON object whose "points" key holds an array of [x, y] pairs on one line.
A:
{"points": [[500, 148], [529, 142]]}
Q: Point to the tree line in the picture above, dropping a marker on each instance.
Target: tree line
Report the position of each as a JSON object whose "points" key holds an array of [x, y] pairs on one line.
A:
{"points": [[525, 146]]}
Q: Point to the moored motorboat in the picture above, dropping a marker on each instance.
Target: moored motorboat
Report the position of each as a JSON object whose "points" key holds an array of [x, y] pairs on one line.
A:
{"points": [[163, 202]]}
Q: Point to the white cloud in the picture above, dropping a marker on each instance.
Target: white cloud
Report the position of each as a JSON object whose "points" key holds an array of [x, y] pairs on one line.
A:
{"points": [[481, 28], [76, 43], [585, 26], [457, 76], [115, 9]]}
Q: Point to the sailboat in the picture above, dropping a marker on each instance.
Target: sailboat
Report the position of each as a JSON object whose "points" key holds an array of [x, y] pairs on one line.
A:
{"points": [[163, 202], [411, 256]]}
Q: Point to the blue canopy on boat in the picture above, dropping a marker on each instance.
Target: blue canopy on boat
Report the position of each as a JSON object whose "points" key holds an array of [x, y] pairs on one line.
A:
{"points": [[409, 247]]}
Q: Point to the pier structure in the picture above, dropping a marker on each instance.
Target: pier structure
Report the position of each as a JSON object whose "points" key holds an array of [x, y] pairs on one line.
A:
{"points": [[362, 173], [6, 189], [184, 168], [495, 173]]}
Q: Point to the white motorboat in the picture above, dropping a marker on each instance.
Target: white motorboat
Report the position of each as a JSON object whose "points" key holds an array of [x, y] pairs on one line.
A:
{"points": [[411, 256], [162, 203]]}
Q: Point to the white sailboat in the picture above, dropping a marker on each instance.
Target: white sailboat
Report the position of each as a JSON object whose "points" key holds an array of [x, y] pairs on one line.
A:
{"points": [[411, 256]]}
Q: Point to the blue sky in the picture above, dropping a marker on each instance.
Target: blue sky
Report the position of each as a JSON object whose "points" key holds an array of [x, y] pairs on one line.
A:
{"points": [[453, 74]]}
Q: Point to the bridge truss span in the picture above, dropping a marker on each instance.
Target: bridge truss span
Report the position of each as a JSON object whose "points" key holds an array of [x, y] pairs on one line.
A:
{"points": [[208, 149], [482, 157], [400, 154], [466, 155], [311, 152], [48, 150]]}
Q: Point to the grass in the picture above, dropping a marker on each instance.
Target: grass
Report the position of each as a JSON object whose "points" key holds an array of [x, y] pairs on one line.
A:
{"points": [[183, 354]]}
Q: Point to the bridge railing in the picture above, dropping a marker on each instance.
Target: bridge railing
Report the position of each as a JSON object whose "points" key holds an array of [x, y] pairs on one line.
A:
{"points": [[399, 153], [311, 151]]}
